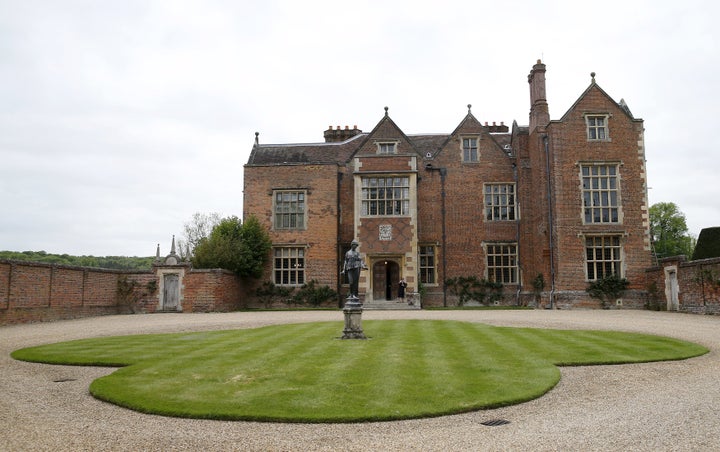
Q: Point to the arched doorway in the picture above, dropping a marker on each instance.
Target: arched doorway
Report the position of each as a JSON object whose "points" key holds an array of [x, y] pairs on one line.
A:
{"points": [[386, 274]]}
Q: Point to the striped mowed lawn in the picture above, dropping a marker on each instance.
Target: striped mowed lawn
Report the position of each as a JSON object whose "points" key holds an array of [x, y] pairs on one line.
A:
{"points": [[305, 373]]}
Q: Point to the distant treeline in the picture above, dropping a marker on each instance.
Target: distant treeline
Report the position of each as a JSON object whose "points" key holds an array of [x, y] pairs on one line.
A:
{"points": [[111, 262]]}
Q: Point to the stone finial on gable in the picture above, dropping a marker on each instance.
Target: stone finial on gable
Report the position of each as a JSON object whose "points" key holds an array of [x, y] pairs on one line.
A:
{"points": [[172, 258]]}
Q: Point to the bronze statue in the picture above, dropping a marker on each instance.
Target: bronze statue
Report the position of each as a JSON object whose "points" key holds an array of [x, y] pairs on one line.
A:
{"points": [[352, 266]]}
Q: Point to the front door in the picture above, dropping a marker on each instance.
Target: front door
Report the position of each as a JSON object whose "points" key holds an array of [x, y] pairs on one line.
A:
{"points": [[171, 293], [386, 275]]}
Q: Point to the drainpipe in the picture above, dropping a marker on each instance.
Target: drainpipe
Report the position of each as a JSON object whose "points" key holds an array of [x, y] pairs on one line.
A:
{"points": [[550, 221], [338, 247], [443, 174], [517, 233]]}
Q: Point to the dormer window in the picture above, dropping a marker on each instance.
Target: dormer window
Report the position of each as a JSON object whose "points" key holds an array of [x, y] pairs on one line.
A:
{"points": [[470, 149], [597, 129], [387, 148]]}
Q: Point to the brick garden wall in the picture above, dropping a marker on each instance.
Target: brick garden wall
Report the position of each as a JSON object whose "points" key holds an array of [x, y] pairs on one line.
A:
{"points": [[38, 292], [33, 292], [698, 285]]}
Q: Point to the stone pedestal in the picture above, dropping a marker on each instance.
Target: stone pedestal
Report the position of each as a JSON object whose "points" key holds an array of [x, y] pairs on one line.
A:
{"points": [[353, 319]]}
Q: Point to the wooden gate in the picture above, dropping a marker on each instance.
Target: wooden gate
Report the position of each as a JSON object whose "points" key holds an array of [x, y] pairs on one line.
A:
{"points": [[171, 292]]}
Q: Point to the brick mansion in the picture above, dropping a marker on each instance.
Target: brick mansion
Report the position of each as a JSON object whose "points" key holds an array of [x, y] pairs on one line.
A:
{"points": [[543, 208]]}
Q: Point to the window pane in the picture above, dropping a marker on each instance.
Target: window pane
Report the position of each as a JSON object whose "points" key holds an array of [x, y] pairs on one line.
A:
{"points": [[391, 197], [499, 206]]}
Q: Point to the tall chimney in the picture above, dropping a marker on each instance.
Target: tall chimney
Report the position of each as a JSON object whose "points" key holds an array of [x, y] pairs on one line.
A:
{"points": [[539, 113]]}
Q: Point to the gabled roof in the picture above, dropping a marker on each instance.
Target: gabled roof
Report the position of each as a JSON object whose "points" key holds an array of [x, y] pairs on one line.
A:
{"points": [[593, 85], [500, 139], [386, 120], [342, 152]]}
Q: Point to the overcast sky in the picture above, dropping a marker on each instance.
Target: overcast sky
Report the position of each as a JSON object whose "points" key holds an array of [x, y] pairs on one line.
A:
{"points": [[120, 119]]}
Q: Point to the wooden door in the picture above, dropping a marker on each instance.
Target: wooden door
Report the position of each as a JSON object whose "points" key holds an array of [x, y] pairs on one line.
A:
{"points": [[379, 280], [386, 275], [171, 292]]}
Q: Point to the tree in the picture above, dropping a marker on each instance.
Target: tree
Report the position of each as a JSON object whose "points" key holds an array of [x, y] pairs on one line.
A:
{"points": [[669, 231], [199, 227], [239, 247]]}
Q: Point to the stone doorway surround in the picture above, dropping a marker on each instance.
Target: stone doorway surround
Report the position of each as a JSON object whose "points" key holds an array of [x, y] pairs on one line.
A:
{"points": [[384, 278], [170, 293]]}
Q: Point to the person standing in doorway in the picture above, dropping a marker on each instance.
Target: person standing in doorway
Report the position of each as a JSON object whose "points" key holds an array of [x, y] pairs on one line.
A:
{"points": [[401, 290]]}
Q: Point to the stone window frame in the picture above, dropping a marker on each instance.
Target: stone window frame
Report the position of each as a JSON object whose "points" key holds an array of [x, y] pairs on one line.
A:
{"points": [[386, 147], [491, 207], [469, 153], [427, 271], [600, 192], [402, 201], [501, 259], [289, 266], [595, 131], [292, 214], [604, 255]]}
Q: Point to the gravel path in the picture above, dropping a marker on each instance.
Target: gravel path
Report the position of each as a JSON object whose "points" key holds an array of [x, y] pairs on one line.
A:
{"points": [[657, 406]]}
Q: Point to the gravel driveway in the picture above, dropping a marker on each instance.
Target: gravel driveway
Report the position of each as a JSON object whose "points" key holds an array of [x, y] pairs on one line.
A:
{"points": [[657, 406]]}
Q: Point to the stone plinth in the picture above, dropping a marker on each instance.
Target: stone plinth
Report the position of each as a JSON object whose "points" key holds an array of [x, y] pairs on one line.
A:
{"points": [[353, 319]]}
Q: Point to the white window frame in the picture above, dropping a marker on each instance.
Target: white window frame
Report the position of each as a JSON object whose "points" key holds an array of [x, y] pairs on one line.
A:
{"points": [[374, 196], [501, 259], [500, 201], [427, 264], [595, 131], [386, 147], [289, 266], [603, 256], [600, 188], [470, 152], [290, 214]]}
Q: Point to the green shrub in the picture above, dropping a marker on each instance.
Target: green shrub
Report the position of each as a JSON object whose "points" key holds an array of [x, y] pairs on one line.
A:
{"points": [[470, 288], [269, 293], [608, 288], [314, 295]]}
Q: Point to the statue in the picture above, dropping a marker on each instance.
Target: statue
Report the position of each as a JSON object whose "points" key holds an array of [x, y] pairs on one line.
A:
{"points": [[352, 266]]}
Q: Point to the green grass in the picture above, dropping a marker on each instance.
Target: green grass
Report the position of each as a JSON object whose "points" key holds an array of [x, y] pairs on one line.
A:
{"points": [[304, 373]]}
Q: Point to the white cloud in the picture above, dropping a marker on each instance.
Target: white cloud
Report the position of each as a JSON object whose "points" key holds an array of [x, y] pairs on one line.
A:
{"points": [[120, 120]]}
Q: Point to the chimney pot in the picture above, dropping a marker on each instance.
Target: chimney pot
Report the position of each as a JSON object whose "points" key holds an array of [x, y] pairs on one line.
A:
{"points": [[347, 128]]}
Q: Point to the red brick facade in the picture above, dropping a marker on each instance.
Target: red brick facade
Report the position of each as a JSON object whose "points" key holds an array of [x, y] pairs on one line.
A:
{"points": [[565, 199]]}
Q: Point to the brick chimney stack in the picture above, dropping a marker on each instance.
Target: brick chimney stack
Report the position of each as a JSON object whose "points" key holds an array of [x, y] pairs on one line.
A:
{"points": [[338, 135], [539, 113]]}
